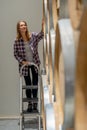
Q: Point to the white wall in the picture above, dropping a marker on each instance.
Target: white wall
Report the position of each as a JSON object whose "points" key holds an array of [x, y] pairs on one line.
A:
{"points": [[10, 13]]}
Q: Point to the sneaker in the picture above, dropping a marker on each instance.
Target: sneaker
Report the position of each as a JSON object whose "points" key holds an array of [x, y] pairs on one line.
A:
{"points": [[35, 107], [29, 109]]}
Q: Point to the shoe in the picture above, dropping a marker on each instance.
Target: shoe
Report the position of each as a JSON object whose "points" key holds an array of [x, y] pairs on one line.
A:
{"points": [[29, 109], [35, 107]]}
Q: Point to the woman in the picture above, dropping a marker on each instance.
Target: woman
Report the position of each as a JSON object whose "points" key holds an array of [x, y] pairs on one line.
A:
{"points": [[25, 51]]}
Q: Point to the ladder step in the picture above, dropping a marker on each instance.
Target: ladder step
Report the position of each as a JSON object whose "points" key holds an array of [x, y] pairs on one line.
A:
{"points": [[33, 124], [33, 113], [29, 87], [35, 100]]}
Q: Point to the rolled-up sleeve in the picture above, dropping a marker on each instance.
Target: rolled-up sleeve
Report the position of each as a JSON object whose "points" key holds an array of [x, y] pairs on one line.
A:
{"points": [[38, 36]]}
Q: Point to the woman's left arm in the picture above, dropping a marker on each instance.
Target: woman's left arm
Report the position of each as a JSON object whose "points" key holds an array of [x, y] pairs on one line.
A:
{"points": [[40, 35]]}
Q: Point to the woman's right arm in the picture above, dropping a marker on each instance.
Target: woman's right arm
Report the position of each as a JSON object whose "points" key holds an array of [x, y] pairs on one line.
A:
{"points": [[16, 53], [17, 56]]}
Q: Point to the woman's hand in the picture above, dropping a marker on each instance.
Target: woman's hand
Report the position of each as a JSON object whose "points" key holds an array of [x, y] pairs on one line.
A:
{"points": [[43, 25], [25, 62]]}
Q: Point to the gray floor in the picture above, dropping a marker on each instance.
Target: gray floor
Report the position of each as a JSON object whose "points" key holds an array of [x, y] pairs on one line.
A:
{"points": [[13, 125], [9, 125]]}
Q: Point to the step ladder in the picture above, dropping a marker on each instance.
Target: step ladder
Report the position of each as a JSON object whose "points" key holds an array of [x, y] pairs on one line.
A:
{"points": [[28, 118]]}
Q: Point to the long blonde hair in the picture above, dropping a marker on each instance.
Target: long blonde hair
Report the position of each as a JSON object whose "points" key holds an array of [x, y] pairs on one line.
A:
{"points": [[18, 31]]}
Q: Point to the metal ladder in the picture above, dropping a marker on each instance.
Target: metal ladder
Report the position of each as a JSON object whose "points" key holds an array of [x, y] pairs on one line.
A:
{"points": [[24, 114]]}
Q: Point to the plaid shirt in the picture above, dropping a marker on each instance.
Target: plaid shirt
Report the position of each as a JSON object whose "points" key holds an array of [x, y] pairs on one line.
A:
{"points": [[20, 54]]}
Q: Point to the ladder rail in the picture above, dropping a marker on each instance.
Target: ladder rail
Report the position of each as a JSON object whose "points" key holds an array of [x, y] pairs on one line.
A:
{"points": [[29, 64]]}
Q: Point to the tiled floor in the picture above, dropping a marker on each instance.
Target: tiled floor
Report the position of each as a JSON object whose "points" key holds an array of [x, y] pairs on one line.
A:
{"points": [[13, 125]]}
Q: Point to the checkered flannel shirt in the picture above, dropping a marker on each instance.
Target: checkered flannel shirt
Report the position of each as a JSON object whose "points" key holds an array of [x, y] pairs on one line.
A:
{"points": [[19, 51]]}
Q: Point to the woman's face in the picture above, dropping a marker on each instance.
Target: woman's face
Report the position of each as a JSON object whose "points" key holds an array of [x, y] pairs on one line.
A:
{"points": [[22, 27]]}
